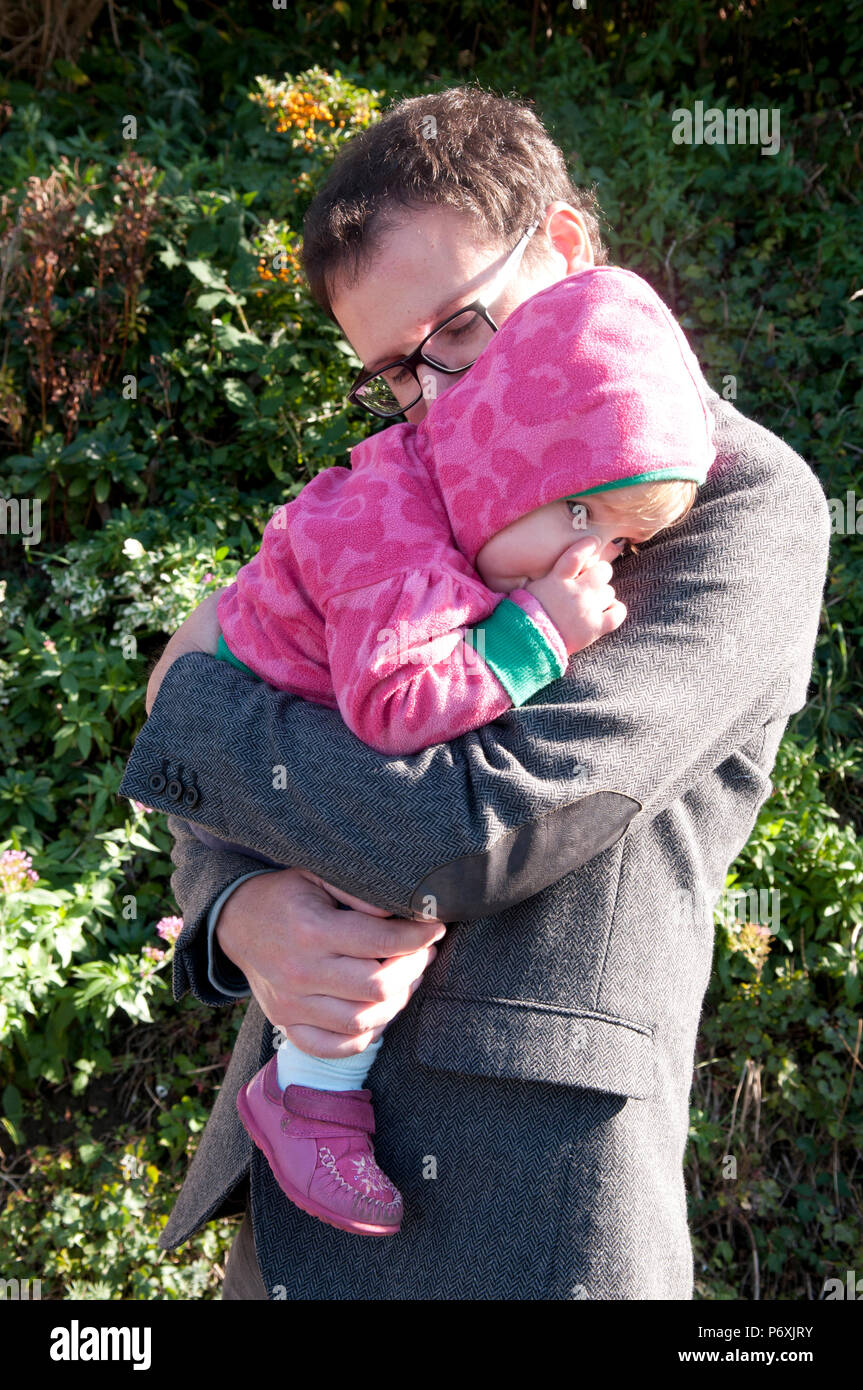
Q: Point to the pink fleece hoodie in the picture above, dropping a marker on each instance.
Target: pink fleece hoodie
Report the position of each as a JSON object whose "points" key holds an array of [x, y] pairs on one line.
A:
{"points": [[363, 596]]}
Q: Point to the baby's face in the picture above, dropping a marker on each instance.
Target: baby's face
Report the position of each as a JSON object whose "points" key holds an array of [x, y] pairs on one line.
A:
{"points": [[531, 546]]}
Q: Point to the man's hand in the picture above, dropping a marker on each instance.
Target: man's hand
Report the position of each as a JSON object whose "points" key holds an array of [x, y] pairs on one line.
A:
{"points": [[331, 979], [199, 633], [577, 596]]}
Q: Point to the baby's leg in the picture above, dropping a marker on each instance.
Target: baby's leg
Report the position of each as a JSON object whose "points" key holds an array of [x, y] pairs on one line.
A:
{"points": [[296, 1068], [312, 1117]]}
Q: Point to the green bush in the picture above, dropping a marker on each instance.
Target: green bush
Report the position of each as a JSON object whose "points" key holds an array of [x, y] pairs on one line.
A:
{"points": [[83, 1214], [775, 1131]]}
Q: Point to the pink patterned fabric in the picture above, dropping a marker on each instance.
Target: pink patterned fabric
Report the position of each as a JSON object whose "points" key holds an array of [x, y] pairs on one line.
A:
{"points": [[363, 587]]}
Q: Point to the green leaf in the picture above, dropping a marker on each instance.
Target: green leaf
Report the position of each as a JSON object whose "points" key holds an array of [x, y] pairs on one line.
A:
{"points": [[70, 72], [203, 271], [272, 400], [238, 395], [43, 897], [227, 336], [170, 257], [210, 299], [12, 1130], [12, 1102], [136, 839]]}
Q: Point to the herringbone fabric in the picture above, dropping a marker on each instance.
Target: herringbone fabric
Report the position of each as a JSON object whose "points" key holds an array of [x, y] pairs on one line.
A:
{"points": [[577, 845]]}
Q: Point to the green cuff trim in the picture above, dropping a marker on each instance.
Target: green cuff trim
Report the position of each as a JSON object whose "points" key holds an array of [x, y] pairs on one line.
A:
{"points": [[224, 653], [511, 644]]}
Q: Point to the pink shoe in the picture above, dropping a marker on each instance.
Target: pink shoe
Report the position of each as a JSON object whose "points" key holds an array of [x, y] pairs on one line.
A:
{"points": [[318, 1147]]}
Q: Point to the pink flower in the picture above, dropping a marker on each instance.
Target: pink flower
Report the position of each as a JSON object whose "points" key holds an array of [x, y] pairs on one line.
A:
{"points": [[169, 928], [207, 578], [16, 872], [49, 645], [139, 806], [152, 959]]}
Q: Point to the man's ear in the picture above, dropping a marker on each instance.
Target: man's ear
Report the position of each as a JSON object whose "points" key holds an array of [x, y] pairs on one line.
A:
{"points": [[565, 228]]}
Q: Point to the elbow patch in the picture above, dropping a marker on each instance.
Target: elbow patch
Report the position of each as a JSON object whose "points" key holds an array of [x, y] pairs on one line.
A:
{"points": [[526, 860]]}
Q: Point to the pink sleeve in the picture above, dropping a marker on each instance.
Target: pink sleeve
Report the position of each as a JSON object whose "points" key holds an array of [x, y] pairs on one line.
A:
{"points": [[269, 623], [404, 677]]}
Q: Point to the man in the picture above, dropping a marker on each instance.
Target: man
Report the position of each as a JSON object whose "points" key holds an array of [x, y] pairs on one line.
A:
{"points": [[532, 1093]]}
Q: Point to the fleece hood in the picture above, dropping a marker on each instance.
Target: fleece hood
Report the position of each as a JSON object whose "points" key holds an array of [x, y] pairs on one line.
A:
{"points": [[588, 385]]}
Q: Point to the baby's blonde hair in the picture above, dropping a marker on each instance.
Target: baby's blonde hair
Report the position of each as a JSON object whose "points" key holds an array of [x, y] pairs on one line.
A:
{"points": [[657, 503]]}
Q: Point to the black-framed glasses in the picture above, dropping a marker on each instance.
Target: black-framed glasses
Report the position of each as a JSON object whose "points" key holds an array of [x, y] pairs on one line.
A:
{"points": [[451, 347]]}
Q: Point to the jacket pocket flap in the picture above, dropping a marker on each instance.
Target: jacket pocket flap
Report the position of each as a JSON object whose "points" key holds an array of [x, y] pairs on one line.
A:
{"points": [[536, 1042]]}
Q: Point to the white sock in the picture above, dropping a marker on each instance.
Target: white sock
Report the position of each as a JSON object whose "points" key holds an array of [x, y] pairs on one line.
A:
{"points": [[296, 1068]]}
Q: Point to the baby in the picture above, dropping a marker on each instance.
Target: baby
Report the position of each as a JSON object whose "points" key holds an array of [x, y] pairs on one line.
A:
{"points": [[435, 585]]}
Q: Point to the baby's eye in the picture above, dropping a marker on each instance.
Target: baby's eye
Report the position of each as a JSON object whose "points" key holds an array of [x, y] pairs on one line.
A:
{"points": [[625, 545]]}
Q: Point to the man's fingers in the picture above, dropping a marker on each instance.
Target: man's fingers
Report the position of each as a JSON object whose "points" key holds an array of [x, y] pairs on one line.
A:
{"points": [[335, 976], [358, 999], [320, 1042], [364, 931], [372, 982], [348, 1017], [364, 937], [347, 898], [357, 903], [398, 974]]}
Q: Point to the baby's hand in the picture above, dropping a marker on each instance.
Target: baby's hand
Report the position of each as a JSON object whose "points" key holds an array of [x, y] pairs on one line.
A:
{"points": [[199, 633], [577, 596]]}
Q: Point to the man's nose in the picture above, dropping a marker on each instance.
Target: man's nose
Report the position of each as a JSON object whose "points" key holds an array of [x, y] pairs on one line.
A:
{"points": [[433, 384]]}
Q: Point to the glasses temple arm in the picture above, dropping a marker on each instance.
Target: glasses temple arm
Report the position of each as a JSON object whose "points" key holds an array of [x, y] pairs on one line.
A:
{"points": [[507, 270]]}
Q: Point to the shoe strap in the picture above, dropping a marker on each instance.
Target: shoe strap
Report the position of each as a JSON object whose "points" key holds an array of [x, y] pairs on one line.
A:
{"points": [[353, 1109], [300, 1127]]}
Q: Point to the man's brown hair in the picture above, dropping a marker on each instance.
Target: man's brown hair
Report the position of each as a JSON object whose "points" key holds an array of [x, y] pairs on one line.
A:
{"points": [[484, 155]]}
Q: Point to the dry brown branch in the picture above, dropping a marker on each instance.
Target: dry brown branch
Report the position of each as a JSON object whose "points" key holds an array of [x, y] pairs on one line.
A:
{"points": [[35, 33]]}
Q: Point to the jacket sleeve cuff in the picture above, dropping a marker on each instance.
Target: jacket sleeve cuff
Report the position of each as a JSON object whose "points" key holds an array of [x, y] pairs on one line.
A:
{"points": [[223, 975], [516, 650], [224, 653]]}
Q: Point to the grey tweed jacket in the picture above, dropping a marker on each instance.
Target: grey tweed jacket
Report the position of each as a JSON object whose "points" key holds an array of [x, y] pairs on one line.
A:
{"points": [[532, 1099]]}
